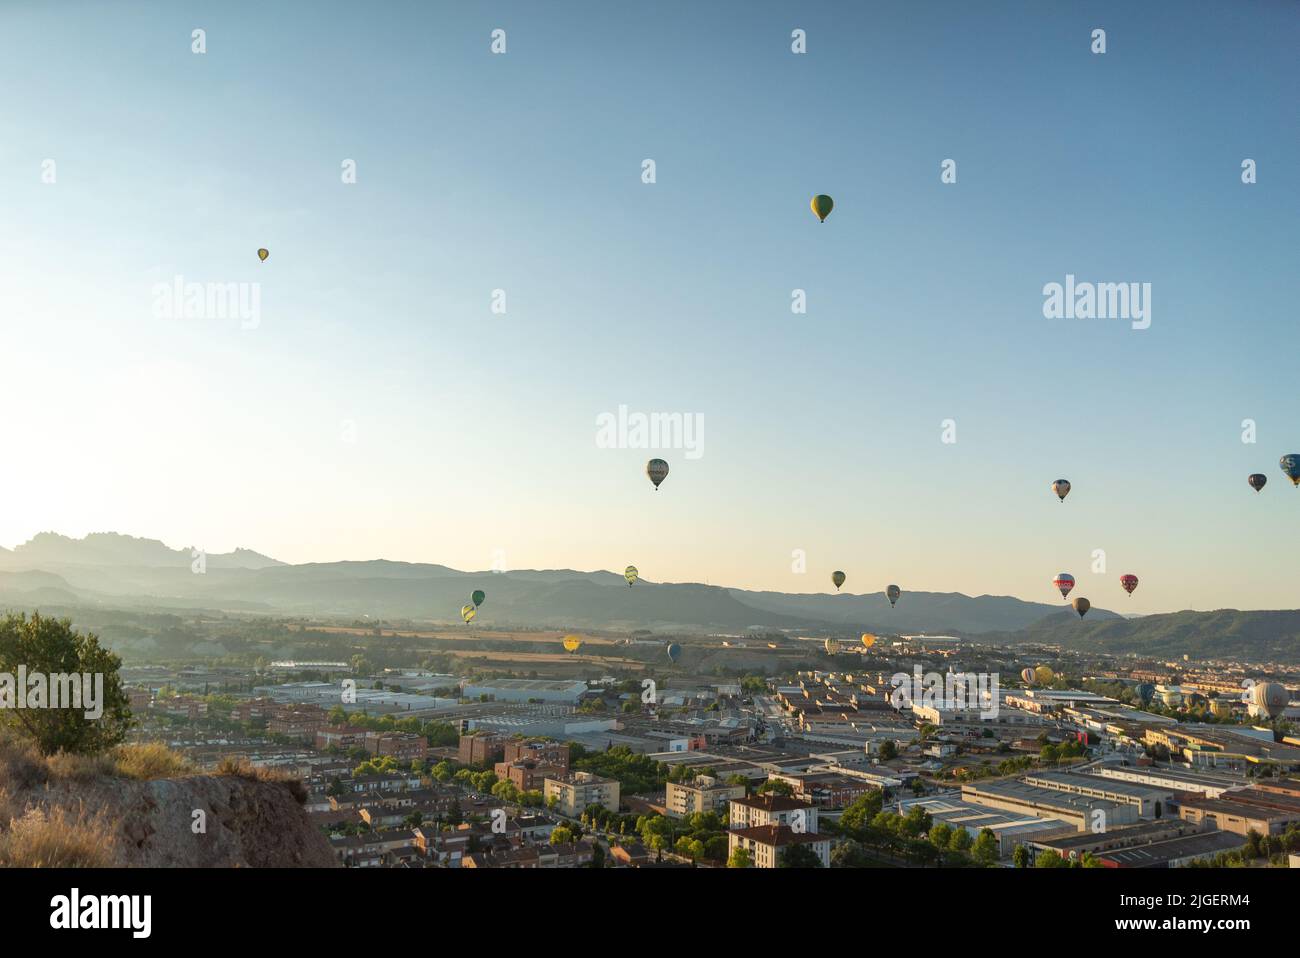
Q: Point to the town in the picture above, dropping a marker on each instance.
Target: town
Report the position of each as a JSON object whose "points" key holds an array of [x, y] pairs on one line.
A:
{"points": [[1079, 759]]}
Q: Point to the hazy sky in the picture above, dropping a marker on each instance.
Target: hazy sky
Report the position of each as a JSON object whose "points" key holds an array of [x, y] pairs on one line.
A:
{"points": [[380, 408]]}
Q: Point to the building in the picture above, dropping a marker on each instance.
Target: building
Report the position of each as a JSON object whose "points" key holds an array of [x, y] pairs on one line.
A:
{"points": [[766, 843], [1149, 801], [1084, 812], [1242, 811], [827, 789], [773, 809], [528, 776], [1174, 852], [527, 690], [575, 791], [1008, 828], [481, 748], [703, 794], [1209, 784], [539, 752], [345, 737], [404, 746], [299, 722], [1078, 844]]}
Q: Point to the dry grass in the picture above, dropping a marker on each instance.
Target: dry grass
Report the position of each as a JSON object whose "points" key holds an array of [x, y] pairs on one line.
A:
{"points": [[56, 838], [79, 768], [242, 768], [22, 766], [149, 761]]}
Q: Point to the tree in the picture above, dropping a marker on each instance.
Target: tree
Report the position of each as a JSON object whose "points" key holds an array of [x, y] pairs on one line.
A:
{"points": [[850, 854], [561, 836], [960, 840], [1020, 857], [986, 849], [859, 814], [888, 750], [798, 856], [60, 656], [941, 835], [740, 858]]}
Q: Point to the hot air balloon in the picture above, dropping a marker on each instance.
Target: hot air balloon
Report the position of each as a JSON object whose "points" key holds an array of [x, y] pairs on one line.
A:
{"points": [[832, 646], [893, 592], [1029, 676], [1129, 582], [1270, 698], [868, 639], [1290, 464], [838, 578], [822, 205], [1144, 692], [477, 597], [631, 575], [1257, 480], [571, 644], [674, 652], [657, 470], [1081, 606], [262, 254], [1044, 674], [1062, 488], [1065, 582], [467, 612]]}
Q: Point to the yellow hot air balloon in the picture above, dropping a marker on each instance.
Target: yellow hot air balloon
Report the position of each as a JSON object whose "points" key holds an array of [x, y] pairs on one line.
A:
{"points": [[262, 254], [572, 643], [821, 206], [631, 575], [868, 639], [468, 612], [1044, 674]]}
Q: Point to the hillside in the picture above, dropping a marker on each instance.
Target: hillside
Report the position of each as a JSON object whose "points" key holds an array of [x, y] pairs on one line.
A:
{"points": [[83, 812], [1224, 633]]}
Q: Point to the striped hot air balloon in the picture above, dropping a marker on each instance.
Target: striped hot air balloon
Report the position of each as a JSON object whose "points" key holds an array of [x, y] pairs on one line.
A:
{"points": [[1290, 464], [1065, 582]]}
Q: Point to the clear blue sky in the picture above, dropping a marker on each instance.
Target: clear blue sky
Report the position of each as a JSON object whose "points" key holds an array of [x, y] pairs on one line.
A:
{"points": [[475, 432]]}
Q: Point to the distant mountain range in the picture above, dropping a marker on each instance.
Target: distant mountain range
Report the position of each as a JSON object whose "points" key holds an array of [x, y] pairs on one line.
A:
{"points": [[109, 570], [1259, 636]]}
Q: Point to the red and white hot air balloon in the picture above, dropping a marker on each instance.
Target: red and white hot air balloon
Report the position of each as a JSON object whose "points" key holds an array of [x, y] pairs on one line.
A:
{"points": [[1065, 582], [1129, 582]]}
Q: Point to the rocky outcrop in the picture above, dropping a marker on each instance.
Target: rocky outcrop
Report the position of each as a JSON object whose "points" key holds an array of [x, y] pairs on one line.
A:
{"points": [[202, 821]]}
